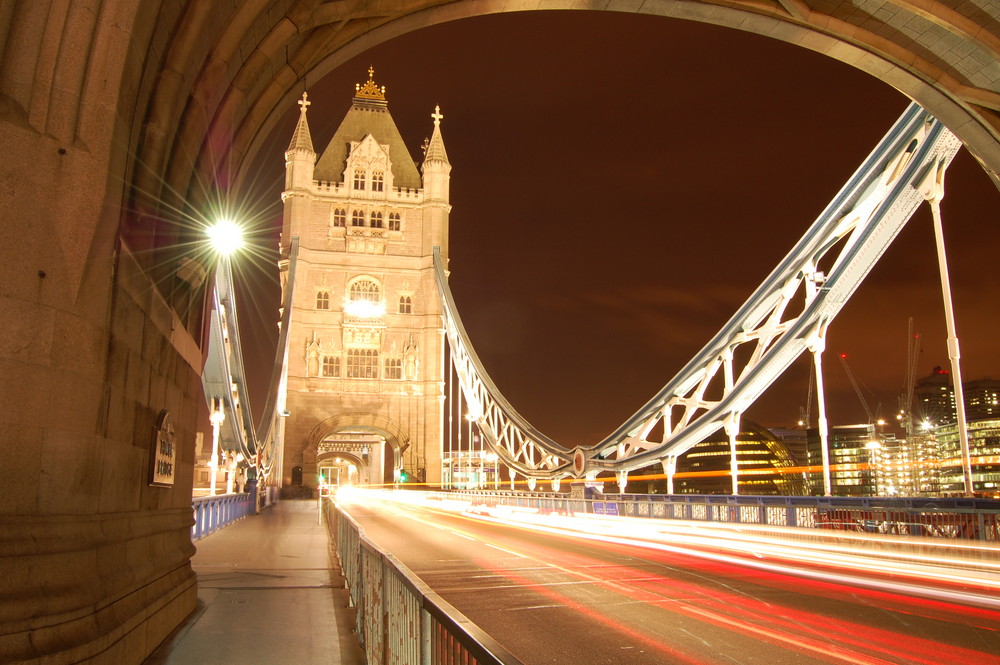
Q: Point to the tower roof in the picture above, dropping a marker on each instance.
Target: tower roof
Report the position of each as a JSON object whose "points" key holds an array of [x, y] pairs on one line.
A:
{"points": [[301, 138], [435, 151], [369, 114]]}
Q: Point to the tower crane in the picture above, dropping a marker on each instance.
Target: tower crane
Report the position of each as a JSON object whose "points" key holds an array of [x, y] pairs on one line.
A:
{"points": [[857, 388]]}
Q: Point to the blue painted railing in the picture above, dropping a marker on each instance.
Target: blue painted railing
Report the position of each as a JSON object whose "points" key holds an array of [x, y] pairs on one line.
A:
{"points": [[211, 513]]}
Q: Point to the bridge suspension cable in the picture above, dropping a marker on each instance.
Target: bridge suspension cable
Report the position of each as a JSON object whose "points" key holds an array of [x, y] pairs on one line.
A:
{"points": [[787, 315], [224, 378]]}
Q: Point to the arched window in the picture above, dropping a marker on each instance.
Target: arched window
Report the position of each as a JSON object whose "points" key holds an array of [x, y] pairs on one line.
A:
{"points": [[362, 364], [359, 178], [357, 218], [331, 366], [393, 368], [376, 218], [378, 178], [322, 300], [365, 289], [405, 305], [340, 217], [296, 475], [394, 221]]}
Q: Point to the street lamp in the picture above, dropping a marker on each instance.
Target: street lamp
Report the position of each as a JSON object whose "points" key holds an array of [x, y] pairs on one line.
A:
{"points": [[226, 236]]}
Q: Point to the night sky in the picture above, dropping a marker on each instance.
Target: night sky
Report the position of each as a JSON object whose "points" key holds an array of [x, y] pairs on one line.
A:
{"points": [[621, 184]]}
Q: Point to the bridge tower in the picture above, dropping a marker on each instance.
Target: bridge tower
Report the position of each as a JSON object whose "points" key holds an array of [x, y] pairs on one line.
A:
{"points": [[364, 376]]}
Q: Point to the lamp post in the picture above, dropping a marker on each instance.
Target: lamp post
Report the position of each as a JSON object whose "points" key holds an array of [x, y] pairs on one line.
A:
{"points": [[217, 418]]}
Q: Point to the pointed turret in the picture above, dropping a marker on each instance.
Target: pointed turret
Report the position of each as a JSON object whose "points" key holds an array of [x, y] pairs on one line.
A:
{"points": [[300, 158], [300, 161], [436, 167]]}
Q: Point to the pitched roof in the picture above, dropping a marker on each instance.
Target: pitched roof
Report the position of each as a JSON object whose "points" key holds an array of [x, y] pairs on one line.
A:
{"points": [[369, 114]]}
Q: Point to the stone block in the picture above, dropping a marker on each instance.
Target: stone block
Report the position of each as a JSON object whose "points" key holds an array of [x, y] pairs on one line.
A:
{"points": [[19, 472], [69, 479]]}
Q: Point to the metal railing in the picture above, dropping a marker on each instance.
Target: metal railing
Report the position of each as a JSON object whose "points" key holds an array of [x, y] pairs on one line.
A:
{"points": [[211, 513], [960, 518], [400, 620]]}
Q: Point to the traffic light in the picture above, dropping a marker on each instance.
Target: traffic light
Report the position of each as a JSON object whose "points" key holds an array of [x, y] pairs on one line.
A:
{"points": [[402, 475]]}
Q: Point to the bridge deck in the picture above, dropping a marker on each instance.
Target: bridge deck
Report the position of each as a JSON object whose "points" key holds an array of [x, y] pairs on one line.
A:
{"points": [[267, 593]]}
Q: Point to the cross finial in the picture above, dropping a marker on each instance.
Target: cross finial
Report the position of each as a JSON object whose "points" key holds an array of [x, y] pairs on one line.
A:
{"points": [[437, 115], [304, 102], [371, 73]]}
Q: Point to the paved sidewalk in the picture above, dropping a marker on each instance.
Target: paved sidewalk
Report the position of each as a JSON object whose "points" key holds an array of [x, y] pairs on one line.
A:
{"points": [[268, 593]]}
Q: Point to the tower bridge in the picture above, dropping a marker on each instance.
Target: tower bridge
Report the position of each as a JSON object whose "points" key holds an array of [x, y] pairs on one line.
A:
{"points": [[368, 310], [122, 120]]}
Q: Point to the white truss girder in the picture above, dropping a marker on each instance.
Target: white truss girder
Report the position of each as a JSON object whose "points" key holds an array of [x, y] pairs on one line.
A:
{"points": [[787, 315]]}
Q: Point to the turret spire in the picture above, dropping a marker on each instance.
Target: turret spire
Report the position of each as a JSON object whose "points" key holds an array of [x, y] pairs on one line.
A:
{"points": [[435, 152], [301, 138]]}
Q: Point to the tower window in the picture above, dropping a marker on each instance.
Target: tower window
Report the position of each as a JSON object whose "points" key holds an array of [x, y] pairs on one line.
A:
{"points": [[405, 305], [376, 218], [357, 218], [362, 364], [393, 368], [359, 178], [378, 179], [393, 221], [322, 300], [365, 289], [331, 366], [340, 217]]}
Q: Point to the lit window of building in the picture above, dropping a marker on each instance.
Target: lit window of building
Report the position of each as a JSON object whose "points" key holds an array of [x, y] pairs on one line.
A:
{"points": [[393, 368], [331, 366], [362, 364]]}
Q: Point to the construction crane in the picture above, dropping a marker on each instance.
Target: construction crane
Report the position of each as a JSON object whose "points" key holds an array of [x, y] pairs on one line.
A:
{"points": [[805, 413], [906, 399], [857, 388]]}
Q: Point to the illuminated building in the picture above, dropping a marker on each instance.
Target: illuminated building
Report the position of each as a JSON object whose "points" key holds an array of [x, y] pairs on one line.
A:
{"points": [[852, 460], [984, 448], [366, 340], [704, 469]]}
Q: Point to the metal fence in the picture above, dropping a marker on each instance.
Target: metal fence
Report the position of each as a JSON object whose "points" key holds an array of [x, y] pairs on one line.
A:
{"points": [[400, 621], [211, 513], [968, 519]]}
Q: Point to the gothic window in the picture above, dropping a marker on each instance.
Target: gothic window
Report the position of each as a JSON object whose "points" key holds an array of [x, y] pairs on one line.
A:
{"points": [[378, 179], [393, 221], [322, 300], [362, 364], [331, 366], [359, 178], [393, 368], [365, 289], [357, 218], [405, 305], [376, 218], [340, 217]]}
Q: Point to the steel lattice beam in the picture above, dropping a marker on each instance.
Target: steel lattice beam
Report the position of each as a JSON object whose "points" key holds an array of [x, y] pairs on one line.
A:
{"points": [[787, 315]]}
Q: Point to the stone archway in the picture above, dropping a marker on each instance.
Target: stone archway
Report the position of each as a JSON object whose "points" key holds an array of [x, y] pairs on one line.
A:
{"points": [[396, 443]]}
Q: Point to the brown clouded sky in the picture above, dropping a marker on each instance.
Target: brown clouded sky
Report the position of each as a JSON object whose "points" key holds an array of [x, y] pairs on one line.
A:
{"points": [[621, 184]]}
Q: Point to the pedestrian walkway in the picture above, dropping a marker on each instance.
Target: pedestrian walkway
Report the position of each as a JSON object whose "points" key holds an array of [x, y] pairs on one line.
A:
{"points": [[268, 593]]}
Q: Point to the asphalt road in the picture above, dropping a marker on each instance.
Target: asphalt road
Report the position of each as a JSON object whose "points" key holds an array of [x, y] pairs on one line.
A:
{"points": [[552, 598]]}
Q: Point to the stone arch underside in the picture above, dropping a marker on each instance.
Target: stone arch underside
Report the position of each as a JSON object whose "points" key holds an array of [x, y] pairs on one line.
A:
{"points": [[395, 434], [218, 96]]}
